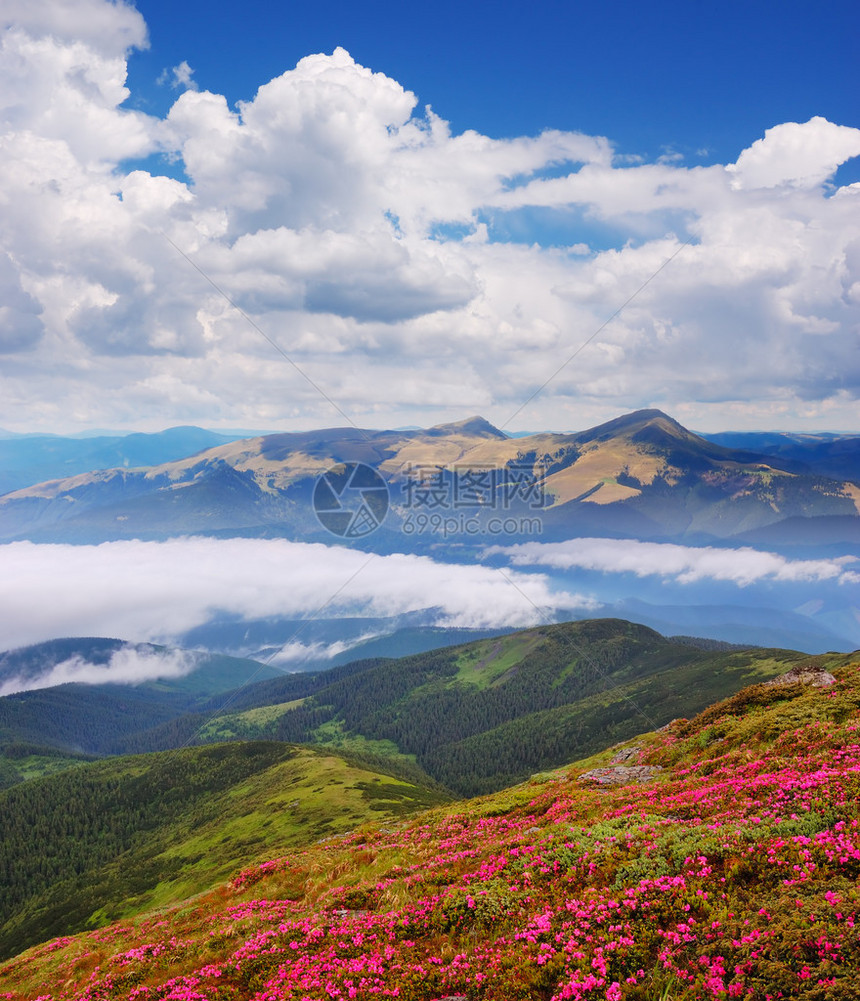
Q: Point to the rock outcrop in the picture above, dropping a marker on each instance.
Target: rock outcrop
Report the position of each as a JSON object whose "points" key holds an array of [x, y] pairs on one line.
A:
{"points": [[621, 775], [622, 770], [805, 674]]}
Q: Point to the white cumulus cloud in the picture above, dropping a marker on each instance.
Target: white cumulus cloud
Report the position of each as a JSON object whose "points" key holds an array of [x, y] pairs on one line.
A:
{"points": [[414, 274], [802, 155]]}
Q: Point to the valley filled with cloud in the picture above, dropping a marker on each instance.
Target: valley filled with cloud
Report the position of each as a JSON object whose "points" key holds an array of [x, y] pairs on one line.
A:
{"points": [[163, 591], [144, 591], [128, 665]]}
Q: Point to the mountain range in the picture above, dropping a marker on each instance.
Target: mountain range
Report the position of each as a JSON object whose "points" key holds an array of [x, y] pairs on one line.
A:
{"points": [[641, 475], [26, 459], [833, 455], [474, 717]]}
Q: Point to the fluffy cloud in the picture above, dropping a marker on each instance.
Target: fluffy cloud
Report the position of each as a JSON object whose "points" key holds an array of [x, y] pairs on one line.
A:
{"points": [[63, 75], [129, 665], [802, 156], [20, 325], [106, 28], [407, 270], [685, 564], [149, 591], [295, 652]]}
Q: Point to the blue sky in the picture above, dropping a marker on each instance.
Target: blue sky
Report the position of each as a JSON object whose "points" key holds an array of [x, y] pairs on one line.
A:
{"points": [[431, 211], [704, 80]]}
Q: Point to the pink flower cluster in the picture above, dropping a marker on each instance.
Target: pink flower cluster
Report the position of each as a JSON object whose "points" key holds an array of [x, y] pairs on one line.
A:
{"points": [[733, 876]]}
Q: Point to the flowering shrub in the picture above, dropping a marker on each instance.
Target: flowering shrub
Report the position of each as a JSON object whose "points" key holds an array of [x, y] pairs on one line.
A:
{"points": [[734, 875]]}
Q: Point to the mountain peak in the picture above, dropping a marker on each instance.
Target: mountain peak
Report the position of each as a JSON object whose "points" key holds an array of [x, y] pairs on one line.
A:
{"points": [[476, 426], [636, 422]]}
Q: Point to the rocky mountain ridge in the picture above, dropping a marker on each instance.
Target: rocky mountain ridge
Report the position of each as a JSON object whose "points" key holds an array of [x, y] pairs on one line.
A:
{"points": [[642, 474]]}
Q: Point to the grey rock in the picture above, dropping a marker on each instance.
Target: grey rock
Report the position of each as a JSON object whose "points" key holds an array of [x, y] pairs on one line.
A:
{"points": [[621, 775], [815, 677]]}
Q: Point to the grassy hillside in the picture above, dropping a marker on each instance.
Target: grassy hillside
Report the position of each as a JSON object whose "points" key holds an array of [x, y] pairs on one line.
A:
{"points": [[476, 717], [733, 873], [485, 715], [109, 839], [21, 761]]}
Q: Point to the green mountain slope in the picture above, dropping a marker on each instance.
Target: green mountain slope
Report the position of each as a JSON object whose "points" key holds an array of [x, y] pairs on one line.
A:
{"points": [[109, 839], [47, 728], [485, 715], [731, 872]]}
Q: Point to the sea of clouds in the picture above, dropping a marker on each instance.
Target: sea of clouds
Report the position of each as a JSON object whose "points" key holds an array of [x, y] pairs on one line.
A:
{"points": [[158, 591], [685, 564]]}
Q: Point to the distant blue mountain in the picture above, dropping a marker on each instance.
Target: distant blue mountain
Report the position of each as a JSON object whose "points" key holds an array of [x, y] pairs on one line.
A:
{"points": [[35, 458], [836, 456], [753, 624]]}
